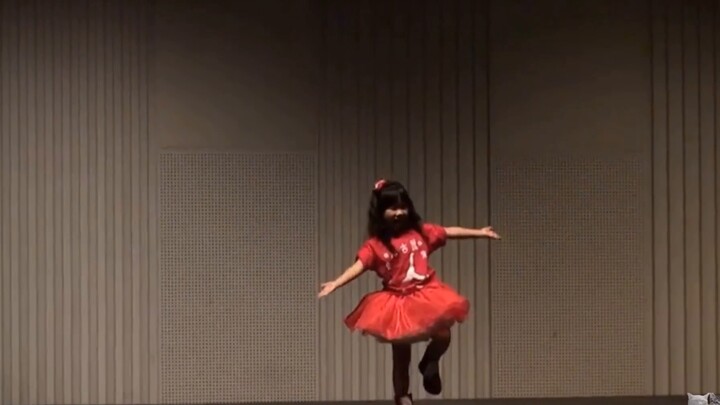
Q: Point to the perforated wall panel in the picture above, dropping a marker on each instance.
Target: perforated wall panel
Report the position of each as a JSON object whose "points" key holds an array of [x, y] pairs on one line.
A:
{"points": [[238, 277], [571, 296]]}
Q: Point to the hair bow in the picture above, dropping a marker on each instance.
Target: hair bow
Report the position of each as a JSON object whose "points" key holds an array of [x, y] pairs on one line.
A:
{"points": [[379, 184]]}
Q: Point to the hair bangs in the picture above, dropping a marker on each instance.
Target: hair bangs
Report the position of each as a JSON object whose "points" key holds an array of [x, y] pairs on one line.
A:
{"points": [[393, 197]]}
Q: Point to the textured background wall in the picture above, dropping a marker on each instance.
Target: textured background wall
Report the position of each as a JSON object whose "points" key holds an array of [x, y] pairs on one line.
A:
{"points": [[686, 192], [78, 253], [236, 74], [234, 107], [91, 92], [238, 236], [616, 98], [586, 133], [570, 186]]}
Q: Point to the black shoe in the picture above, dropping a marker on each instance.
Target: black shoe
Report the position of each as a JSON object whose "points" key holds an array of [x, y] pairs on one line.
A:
{"points": [[430, 371]]}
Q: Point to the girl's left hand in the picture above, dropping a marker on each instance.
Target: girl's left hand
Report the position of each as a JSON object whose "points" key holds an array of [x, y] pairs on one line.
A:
{"points": [[327, 288], [489, 232]]}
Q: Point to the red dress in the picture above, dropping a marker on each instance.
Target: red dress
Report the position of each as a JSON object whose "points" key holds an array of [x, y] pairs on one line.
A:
{"points": [[413, 303]]}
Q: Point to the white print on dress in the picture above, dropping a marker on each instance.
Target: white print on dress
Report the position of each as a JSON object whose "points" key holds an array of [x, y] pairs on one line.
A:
{"points": [[411, 274], [414, 245]]}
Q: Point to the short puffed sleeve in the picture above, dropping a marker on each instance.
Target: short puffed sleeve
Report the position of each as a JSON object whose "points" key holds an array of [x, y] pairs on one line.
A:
{"points": [[367, 256], [436, 236]]}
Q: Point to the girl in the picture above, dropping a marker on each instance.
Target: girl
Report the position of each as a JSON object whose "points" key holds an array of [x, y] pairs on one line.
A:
{"points": [[414, 305]]}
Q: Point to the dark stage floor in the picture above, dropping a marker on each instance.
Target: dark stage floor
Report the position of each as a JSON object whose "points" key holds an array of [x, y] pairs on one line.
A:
{"points": [[677, 400]]}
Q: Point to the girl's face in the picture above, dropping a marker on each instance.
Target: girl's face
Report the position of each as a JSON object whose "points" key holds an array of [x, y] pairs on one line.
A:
{"points": [[397, 217]]}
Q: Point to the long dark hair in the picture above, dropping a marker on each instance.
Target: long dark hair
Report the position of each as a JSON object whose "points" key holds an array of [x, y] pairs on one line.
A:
{"points": [[388, 194]]}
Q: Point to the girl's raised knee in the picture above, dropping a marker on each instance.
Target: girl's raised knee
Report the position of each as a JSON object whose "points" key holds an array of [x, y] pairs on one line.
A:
{"points": [[442, 334]]}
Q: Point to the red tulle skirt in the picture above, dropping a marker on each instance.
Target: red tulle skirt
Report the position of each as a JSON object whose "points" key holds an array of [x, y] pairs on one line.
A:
{"points": [[411, 316]]}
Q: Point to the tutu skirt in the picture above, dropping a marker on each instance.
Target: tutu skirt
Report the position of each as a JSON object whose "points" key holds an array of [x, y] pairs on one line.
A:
{"points": [[408, 316]]}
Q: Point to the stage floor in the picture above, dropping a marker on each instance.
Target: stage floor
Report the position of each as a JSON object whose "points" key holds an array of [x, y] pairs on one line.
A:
{"points": [[677, 400]]}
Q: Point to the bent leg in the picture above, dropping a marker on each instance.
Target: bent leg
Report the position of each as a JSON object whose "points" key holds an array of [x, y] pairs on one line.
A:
{"points": [[438, 345], [429, 365]]}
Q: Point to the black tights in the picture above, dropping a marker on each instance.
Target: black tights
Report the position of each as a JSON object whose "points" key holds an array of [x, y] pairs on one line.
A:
{"points": [[401, 360]]}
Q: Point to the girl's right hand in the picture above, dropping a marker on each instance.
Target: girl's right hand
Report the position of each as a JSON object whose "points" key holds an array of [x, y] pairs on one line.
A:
{"points": [[327, 288]]}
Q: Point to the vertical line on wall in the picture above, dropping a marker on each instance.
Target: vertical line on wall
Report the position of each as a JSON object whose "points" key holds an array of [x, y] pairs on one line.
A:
{"points": [[699, 179], [3, 223], [71, 183], [488, 73], [481, 355], [684, 191], [366, 173], [473, 124], [47, 256], [388, 76], [67, 200], [111, 181], [424, 35], [74, 186], [667, 179], [154, 346], [408, 74], [84, 57], [41, 370], [132, 291], [119, 160], [375, 40], [58, 130], [321, 141], [715, 171], [54, 211], [458, 214], [441, 116], [135, 206], [652, 183], [143, 202], [374, 384], [32, 208], [14, 212], [20, 202], [5, 328], [91, 95], [358, 60], [349, 373], [127, 212], [360, 174], [15, 203], [23, 176], [3, 193], [49, 96], [153, 213], [102, 213], [332, 161], [33, 204], [10, 264], [709, 266], [140, 222]]}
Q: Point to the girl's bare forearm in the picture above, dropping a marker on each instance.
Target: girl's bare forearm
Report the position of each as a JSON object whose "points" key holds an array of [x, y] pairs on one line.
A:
{"points": [[350, 274]]}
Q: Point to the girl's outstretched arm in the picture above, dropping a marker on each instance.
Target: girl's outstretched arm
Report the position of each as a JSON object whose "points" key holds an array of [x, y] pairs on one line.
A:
{"points": [[350, 274], [457, 232]]}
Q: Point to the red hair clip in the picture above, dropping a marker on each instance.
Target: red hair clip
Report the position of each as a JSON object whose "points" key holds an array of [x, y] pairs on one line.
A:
{"points": [[379, 184]]}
